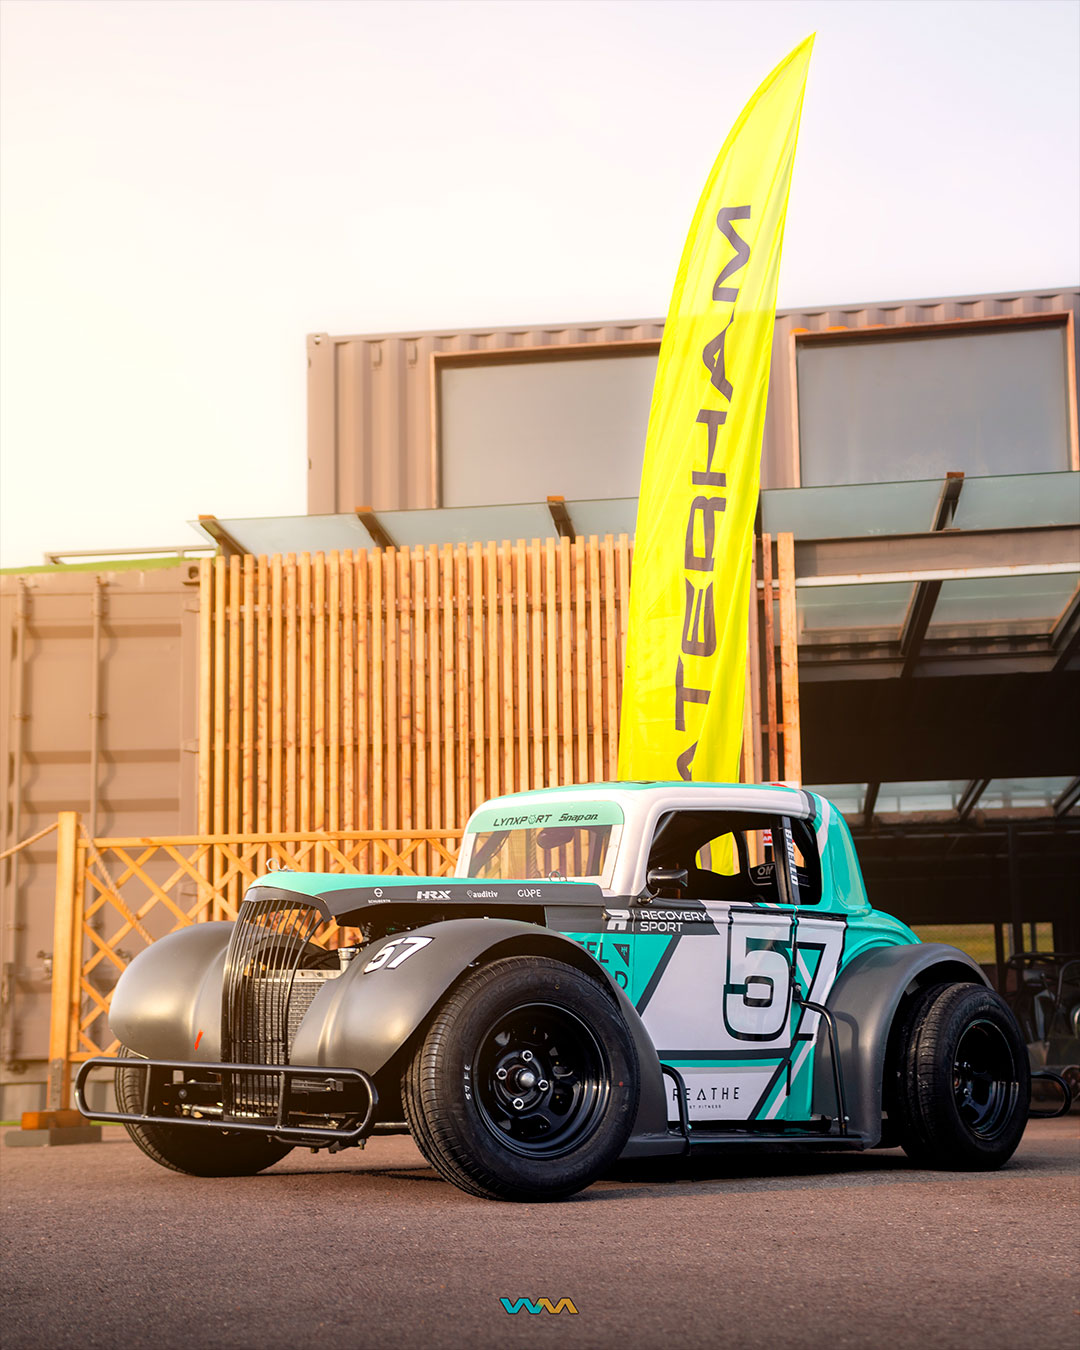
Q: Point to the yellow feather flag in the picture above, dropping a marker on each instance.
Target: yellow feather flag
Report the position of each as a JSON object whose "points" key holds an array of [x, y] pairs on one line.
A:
{"points": [[685, 677]]}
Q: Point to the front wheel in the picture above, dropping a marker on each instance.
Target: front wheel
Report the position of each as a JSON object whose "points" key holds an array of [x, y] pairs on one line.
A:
{"points": [[963, 1085], [526, 1084], [196, 1150]]}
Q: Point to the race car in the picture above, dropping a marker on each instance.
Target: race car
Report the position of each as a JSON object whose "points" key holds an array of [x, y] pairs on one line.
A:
{"points": [[615, 971]]}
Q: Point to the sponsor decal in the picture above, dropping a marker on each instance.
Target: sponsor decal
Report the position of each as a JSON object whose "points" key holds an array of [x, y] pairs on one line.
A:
{"points": [[653, 920], [394, 953], [580, 813], [709, 1094], [534, 1307], [432, 895], [603, 952], [719, 1093]]}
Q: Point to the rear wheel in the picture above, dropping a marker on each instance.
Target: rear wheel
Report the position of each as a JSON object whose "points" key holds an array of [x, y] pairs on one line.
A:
{"points": [[526, 1084], [963, 1085], [197, 1150]]}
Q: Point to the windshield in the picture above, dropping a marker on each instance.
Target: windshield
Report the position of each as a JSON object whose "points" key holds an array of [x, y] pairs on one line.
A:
{"points": [[576, 842]]}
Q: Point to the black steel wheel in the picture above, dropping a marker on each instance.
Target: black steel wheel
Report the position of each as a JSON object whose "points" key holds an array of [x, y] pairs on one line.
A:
{"points": [[985, 1087], [198, 1151], [526, 1084], [962, 1083], [540, 1080]]}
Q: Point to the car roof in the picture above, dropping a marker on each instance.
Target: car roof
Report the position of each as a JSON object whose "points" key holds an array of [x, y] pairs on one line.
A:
{"points": [[739, 796]]}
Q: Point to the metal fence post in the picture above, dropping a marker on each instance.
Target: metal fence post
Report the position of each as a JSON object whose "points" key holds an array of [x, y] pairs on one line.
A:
{"points": [[67, 951]]}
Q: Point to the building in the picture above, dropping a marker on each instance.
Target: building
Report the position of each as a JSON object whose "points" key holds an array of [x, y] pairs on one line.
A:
{"points": [[923, 454]]}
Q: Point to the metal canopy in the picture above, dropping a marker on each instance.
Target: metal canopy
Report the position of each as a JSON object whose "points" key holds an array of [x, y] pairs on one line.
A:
{"points": [[820, 513], [367, 528], [892, 579], [953, 801]]}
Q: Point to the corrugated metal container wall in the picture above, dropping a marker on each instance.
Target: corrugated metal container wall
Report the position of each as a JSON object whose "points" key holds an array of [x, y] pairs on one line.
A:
{"points": [[100, 699], [371, 406], [372, 434]]}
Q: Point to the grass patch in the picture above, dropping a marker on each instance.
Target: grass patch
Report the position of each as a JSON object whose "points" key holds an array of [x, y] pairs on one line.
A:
{"points": [[977, 939]]}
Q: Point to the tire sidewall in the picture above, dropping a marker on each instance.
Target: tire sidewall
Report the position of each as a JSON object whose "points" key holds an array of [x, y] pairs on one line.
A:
{"points": [[543, 981], [939, 1111], [200, 1151]]}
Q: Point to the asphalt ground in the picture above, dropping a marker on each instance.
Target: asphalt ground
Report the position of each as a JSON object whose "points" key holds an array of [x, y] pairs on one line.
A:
{"points": [[370, 1249]]}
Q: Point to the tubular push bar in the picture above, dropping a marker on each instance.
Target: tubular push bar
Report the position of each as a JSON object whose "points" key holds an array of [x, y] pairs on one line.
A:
{"points": [[283, 1073]]}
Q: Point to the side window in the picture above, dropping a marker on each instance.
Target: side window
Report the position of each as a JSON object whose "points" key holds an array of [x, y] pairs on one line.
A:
{"points": [[767, 846], [729, 856]]}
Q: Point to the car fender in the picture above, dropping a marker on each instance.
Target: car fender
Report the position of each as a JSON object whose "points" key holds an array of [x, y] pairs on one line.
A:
{"points": [[167, 1003], [864, 1001], [363, 1018]]}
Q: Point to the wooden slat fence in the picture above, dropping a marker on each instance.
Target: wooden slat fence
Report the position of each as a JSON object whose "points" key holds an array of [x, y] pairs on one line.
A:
{"points": [[399, 688]]}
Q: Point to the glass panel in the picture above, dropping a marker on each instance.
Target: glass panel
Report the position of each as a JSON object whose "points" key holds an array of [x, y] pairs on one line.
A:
{"points": [[617, 516], [514, 432], [998, 502], [938, 795], [1019, 499], [875, 409], [857, 509], [1003, 599], [878, 604], [848, 798], [578, 841], [469, 524], [1005, 794], [295, 534]]}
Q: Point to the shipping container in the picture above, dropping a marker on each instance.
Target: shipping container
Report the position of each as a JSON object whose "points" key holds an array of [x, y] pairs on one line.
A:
{"points": [[99, 678], [380, 406]]}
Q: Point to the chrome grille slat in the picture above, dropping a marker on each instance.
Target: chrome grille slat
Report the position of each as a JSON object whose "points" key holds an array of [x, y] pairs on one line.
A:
{"points": [[261, 970]]}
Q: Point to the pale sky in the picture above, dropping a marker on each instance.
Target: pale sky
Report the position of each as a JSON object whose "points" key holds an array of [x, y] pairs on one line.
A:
{"points": [[190, 187]]}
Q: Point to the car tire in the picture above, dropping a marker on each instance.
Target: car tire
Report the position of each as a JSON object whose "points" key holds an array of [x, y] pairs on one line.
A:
{"points": [[526, 1084], [198, 1151], [962, 1084]]}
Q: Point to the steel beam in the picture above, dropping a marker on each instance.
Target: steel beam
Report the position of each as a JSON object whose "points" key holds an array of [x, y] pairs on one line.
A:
{"points": [[937, 555], [227, 545], [947, 501], [921, 609], [916, 622], [971, 795], [1068, 798], [1065, 636], [564, 526], [872, 790], [371, 522]]}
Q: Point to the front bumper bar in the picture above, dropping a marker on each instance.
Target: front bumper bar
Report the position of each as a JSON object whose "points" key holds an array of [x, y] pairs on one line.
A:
{"points": [[277, 1126]]}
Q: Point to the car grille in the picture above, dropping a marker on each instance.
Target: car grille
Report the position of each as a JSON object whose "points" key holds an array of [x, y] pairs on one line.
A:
{"points": [[266, 995]]}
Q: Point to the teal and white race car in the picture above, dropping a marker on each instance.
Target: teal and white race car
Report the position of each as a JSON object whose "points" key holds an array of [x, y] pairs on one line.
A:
{"points": [[620, 970]]}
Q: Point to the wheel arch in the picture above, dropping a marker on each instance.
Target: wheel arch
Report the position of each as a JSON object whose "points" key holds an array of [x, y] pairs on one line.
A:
{"points": [[167, 1003], [372, 1023], [867, 1002]]}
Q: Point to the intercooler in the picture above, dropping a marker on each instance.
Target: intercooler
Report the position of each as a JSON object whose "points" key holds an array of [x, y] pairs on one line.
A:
{"points": [[268, 989]]}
